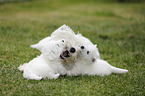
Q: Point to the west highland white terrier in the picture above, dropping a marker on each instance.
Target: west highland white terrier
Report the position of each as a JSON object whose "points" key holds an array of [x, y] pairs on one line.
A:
{"points": [[88, 63], [64, 52], [48, 64]]}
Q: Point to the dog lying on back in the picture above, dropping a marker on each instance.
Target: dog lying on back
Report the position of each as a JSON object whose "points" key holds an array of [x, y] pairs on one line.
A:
{"points": [[66, 53], [48, 64]]}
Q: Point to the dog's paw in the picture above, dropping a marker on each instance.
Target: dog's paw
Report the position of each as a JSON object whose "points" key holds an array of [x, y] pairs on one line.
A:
{"points": [[38, 78], [34, 77], [56, 76], [20, 68]]}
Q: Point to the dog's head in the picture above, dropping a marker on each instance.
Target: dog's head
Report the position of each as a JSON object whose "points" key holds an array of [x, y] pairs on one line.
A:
{"points": [[53, 49], [61, 50], [68, 52], [89, 53], [69, 56]]}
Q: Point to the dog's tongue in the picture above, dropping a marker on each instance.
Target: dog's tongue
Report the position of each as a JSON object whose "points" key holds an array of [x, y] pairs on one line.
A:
{"points": [[65, 54]]}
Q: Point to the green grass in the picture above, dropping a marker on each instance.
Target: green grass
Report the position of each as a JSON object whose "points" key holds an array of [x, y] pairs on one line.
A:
{"points": [[117, 28]]}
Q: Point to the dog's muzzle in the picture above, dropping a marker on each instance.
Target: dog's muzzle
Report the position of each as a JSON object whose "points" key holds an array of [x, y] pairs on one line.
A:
{"points": [[67, 53]]}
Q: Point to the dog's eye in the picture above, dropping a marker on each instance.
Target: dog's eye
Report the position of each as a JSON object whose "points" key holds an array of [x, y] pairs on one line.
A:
{"points": [[88, 52], [58, 45], [82, 47]]}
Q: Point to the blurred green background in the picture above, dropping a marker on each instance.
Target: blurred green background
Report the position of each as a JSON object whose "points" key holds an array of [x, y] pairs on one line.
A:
{"points": [[116, 26]]}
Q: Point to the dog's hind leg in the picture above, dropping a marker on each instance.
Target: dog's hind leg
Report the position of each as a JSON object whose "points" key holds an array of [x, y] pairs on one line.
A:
{"points": [[31, 75], [53, 76]]}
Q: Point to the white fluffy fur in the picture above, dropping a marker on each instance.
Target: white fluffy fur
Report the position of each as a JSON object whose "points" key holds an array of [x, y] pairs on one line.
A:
{"points": [[50, 65], [47, 65], [64, 32]]}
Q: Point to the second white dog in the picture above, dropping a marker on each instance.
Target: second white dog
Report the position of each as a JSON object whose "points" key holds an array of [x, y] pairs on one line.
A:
{"points": [[48, 64]]}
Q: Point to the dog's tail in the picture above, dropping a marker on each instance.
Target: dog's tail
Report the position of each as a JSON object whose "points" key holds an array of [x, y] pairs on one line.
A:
{"points": [[28, 73], [118, 70]]}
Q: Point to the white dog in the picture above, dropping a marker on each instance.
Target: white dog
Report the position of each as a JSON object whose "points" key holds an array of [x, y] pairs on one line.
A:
{"points": [[89, 64], [48, 64], [65, 52]]}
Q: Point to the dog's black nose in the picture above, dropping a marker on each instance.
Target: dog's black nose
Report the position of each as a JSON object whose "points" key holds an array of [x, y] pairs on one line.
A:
{"points": [[72, 50]]}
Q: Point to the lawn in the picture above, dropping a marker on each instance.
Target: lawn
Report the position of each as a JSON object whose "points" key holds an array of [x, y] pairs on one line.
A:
{"points": [[117, 28]]}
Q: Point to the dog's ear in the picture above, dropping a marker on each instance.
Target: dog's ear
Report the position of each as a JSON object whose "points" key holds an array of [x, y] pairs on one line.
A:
{"points": [[95, 45], [79, 34]]}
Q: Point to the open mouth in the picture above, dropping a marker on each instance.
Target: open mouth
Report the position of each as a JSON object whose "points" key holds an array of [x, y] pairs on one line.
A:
{"points": [[65, 54]]}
